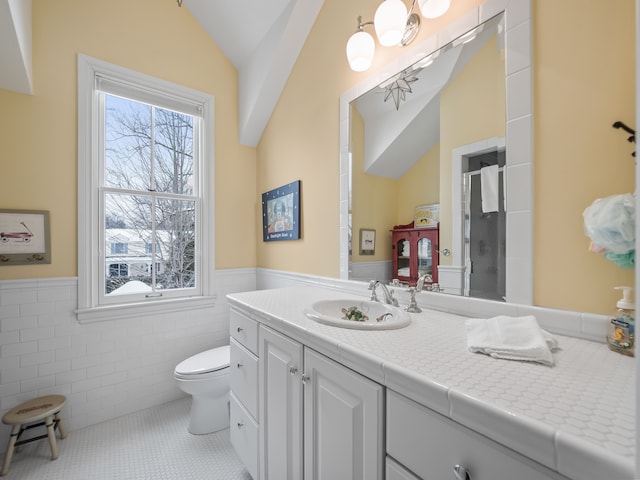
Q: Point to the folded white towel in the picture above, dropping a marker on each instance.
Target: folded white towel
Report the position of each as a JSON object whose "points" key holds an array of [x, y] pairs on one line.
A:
{"points": [[489, 188], [511, 338]]}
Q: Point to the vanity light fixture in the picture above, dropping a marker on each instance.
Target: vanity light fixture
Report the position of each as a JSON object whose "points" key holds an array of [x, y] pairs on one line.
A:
{"points": [[394, 25], [434, 8]]}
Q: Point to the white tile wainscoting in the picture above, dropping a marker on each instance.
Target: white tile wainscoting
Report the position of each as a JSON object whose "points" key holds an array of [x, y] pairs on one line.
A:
{"points": [[105, 369], [112, 368]]}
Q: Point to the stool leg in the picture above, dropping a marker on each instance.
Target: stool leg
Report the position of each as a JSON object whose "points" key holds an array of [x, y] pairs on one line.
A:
{"points": [[52, 437], [63, 432], [15, 431]]}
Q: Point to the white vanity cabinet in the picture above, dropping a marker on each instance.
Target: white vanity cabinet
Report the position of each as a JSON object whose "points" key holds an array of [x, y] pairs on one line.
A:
{"points": [[281, 391], [243, 425], [342, 420], [318, 420], [434, 447], [343, 426]]}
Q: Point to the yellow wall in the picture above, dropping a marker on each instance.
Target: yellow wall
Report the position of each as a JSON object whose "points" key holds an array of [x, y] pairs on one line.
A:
{"points": [[472, 108], [301, 140], [419, 186], [583, 82], [374, 200], [38, 133], [380, 203]]}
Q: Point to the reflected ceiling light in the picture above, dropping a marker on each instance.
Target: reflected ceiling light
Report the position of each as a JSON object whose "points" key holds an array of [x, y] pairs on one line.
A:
{"points": [[467, 37], [394, 25], [426, 61], [434, 8], [398, 86]]}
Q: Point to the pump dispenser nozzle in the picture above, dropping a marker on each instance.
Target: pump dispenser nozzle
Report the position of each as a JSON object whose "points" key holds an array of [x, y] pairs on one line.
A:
{"points": [[625, 302]]}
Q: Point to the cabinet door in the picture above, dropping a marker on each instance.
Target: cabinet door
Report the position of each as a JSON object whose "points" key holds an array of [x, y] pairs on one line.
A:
{"points": [[244, 376], [431, 446], [342, 422], [280, 406], [401, 256], [243, 434]]}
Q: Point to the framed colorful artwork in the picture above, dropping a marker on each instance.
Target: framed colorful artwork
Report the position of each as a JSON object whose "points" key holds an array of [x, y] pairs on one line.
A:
{"points": [[281, 213], [427, 216]]}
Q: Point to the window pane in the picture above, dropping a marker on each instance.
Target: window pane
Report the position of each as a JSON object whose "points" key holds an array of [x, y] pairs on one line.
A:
{"points": [[127, 146], [175, 221], [128, 231], [174, 152]]}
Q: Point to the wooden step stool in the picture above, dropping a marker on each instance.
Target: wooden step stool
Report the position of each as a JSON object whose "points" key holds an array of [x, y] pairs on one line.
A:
{"points": [[47, 408]]}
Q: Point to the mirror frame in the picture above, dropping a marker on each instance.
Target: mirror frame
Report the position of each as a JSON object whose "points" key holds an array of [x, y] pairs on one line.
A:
{"points": [[519, 135]]}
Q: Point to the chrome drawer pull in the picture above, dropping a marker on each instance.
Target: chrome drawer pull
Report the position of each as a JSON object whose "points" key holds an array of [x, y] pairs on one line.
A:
{"points": [[461, 473]]}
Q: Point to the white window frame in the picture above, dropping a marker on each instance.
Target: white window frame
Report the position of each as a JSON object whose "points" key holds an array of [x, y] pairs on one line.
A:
{"points": [[90, 258]]}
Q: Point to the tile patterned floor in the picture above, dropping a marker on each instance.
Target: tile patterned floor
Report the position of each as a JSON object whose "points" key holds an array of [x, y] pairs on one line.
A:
{"points": [[150, 444]]}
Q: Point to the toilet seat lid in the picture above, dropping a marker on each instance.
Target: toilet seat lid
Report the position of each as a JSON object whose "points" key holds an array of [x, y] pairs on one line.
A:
{"points": [[205, 362]]}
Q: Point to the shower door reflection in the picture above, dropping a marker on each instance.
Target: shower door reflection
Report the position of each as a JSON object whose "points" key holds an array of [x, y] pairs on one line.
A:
{"points": [[484, 234]]}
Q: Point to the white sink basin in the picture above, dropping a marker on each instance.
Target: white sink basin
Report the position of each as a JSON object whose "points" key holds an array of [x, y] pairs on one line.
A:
{"points": [[364, 314]]}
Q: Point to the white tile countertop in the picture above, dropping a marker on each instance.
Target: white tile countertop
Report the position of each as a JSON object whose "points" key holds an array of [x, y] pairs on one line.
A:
{"points": [[576, 417]]}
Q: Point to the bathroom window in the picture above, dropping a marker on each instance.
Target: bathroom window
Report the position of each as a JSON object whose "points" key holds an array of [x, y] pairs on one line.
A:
{"points": [[145, 174]]}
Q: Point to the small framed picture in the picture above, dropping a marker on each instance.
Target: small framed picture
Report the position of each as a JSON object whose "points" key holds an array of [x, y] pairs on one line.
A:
{"points": [[427, 216], [24, 237], [367, 241], [281, 213]]}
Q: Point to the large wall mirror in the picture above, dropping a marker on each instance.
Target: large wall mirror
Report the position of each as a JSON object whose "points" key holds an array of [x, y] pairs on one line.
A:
{"points": [[450, 114]]}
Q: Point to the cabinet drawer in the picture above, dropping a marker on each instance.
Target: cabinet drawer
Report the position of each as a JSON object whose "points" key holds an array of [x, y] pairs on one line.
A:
{"points": [[243, 432], [395, 471], [244, 377], [430, 445], [244, 330]]}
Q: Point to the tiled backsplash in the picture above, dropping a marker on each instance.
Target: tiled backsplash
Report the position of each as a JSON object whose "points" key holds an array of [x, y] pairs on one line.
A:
{"points": [[105, 369], [111, 368]]}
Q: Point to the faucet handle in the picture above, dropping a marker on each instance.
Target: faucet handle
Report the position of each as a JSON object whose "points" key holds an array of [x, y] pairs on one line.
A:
{"points": [[394, 300], [413, 305], [372, 286]]}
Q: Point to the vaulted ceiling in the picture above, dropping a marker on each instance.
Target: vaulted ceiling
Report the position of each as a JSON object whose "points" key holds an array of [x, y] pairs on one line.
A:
{"points": [[262, 38]]}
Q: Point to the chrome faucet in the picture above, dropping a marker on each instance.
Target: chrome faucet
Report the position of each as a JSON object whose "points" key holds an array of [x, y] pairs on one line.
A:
{"points": [[413, 305], [388, 294], [423, 278]]}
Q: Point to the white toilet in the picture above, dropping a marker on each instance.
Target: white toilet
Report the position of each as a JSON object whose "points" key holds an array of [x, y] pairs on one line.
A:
{"points": [[205, 376]]}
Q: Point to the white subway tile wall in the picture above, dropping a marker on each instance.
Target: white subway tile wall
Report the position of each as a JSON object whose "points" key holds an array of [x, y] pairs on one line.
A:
{"points": [[105, 369]]}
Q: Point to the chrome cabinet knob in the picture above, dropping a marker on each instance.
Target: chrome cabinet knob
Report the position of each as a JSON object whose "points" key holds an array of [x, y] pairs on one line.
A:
{"points": [[461, 473], [239, 329], [240, 424], [293, 370], [240, 364], [305, 378]]}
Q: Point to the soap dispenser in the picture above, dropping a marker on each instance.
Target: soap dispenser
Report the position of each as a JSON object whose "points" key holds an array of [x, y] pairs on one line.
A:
{"points": [[622, 324]]}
